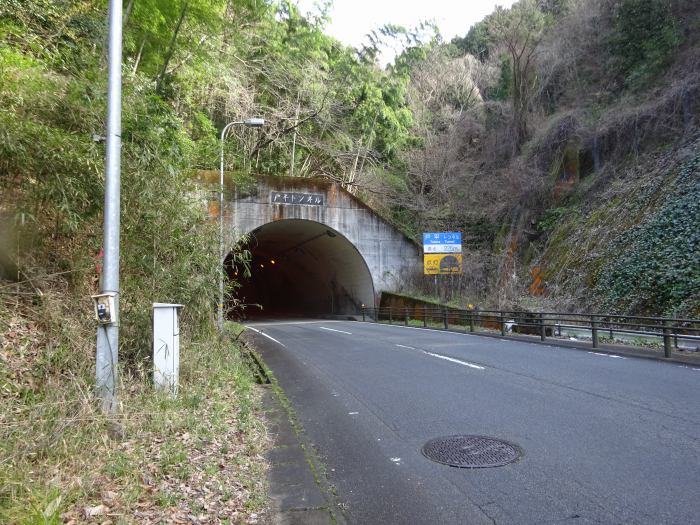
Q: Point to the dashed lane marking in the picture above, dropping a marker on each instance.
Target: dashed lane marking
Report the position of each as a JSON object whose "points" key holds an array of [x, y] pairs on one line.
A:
{"points": [[453, 360], [613, 356], [404, 346], [334, 330]]}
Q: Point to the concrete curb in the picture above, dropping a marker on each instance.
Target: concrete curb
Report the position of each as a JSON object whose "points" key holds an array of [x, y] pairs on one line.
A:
{"points": [[298, 489]]}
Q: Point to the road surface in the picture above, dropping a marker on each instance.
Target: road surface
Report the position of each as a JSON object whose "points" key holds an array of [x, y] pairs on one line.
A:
{"points": [[605, 439]]}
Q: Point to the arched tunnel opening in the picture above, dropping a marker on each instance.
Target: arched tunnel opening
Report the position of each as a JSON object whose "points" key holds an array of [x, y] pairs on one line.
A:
{"points": [[300, 268]]}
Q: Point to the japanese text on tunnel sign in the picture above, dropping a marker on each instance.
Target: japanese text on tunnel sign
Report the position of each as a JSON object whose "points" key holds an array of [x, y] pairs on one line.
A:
{"points": [[304, 199]]}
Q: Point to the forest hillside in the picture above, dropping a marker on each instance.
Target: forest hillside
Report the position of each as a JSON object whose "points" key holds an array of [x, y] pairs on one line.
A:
{"points": [[562, 138]]}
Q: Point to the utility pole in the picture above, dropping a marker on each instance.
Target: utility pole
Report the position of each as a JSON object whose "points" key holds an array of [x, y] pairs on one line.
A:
{"points": [[108, 331]]}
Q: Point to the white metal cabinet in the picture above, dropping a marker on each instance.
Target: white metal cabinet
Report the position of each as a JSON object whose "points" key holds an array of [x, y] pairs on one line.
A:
{"points": [[166, 346]]}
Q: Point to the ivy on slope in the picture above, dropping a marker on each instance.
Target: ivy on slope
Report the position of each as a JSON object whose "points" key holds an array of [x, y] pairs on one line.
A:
{"points": [[654, 268]]}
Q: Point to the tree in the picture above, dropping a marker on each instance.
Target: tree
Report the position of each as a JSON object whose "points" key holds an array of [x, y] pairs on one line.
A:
{"points": [[518, 31], [477, 41]]}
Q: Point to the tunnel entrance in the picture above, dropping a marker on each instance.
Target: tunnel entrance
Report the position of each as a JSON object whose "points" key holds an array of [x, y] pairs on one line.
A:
{"points": [[302, 268]]}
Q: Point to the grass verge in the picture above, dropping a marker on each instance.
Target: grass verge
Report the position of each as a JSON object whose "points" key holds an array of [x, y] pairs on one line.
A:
{"points": [[196, 457]]}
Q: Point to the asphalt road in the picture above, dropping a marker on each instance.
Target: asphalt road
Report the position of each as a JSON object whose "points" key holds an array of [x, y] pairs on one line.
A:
{"points": [[605, 439]]}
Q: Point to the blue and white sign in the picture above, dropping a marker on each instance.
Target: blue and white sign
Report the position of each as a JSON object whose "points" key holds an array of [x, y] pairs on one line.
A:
{"points": [[442, 242]]}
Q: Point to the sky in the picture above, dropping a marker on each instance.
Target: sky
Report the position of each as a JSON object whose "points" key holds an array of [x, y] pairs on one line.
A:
{"points": [[353, 19]]}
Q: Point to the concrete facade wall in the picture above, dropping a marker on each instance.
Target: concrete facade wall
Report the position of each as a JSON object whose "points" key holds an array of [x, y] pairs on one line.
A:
{"points": [[391, 257]]}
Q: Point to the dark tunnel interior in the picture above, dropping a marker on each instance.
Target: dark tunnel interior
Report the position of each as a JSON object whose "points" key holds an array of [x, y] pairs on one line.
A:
{"points": [[300, 268]]}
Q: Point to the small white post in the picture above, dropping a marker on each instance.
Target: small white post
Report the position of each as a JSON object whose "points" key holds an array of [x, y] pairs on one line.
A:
{"points": [[166, 346]]}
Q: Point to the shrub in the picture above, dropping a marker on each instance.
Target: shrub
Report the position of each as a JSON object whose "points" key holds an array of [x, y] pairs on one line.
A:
{"points": [[643, 40]]}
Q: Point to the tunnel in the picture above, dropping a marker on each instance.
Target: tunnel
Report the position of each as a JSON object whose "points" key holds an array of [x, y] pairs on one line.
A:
{"points": [[300, 268]]}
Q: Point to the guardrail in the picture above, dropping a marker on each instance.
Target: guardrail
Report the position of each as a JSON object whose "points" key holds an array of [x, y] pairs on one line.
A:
{"points": [[671, 331]]}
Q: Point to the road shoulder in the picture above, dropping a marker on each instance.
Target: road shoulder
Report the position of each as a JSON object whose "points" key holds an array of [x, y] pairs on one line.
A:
{"points": [[298, 490]]}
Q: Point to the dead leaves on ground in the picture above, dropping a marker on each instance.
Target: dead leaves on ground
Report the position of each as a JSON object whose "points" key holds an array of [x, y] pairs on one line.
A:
{"points": [[184, 479]]}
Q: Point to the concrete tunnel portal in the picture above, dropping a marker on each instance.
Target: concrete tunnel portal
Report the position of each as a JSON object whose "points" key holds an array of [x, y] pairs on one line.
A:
{"points": [[301, 267]]}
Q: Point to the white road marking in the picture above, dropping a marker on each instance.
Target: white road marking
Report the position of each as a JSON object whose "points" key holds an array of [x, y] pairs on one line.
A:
{"points": [[333, 330], [395, 460], [696, 369], [287, 323], [452, 360], [353, 413], [265, 335], [613, 356], [404, 346]]}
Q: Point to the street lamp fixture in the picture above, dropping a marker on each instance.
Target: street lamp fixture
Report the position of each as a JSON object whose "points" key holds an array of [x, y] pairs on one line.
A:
{"points": [[251, 123]]}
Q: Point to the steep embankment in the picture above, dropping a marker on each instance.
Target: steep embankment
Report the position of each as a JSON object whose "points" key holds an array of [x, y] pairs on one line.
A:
{"points": [[560, 137], [620, 230], [628, 240]]}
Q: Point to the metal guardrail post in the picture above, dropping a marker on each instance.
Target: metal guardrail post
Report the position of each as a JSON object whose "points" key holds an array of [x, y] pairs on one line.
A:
{"points": [[363, 313], [471, 321], [667, 338], [444, 317], [391, 320], [503, 324], [425, 317], [543, 328], [594, 330], [405, 317]]}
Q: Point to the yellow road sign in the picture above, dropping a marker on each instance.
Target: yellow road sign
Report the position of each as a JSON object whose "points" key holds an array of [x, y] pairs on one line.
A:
{"points": [[442, 263]]}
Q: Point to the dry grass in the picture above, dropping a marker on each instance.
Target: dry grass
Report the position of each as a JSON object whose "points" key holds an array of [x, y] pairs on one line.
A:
{"points": [[196, 458]]}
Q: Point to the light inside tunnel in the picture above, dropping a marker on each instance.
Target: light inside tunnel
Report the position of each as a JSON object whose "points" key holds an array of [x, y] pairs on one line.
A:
{"points": [[312, 270]]}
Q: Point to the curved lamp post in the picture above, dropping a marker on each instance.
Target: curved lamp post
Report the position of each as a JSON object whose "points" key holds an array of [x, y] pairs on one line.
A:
{"points": [[251, 123]]}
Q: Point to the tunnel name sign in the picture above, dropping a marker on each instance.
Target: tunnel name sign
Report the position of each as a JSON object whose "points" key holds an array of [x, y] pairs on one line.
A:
{"points": [[302, 199], [442, 253]]}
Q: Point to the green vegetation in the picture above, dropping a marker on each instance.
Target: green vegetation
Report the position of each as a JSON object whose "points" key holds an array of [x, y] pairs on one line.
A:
{"points": [[61, 455], [654, 266], [190, 66], [644, 39]]}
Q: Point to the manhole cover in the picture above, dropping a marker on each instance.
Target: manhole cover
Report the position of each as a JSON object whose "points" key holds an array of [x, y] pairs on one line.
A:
{"points": [[470, 451]]}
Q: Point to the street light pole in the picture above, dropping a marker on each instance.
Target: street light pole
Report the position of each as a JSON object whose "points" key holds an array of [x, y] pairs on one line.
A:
{"points": [[108, 332], [252, 123]]}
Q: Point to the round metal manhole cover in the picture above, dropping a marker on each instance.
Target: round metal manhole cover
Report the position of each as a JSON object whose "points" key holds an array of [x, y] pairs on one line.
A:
{"points": [[471, 451]]}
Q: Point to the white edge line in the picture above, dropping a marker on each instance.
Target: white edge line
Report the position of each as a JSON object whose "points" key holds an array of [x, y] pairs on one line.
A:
{"points": [[265, 335], [451, 359], [404, 346], [334, 330]]}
